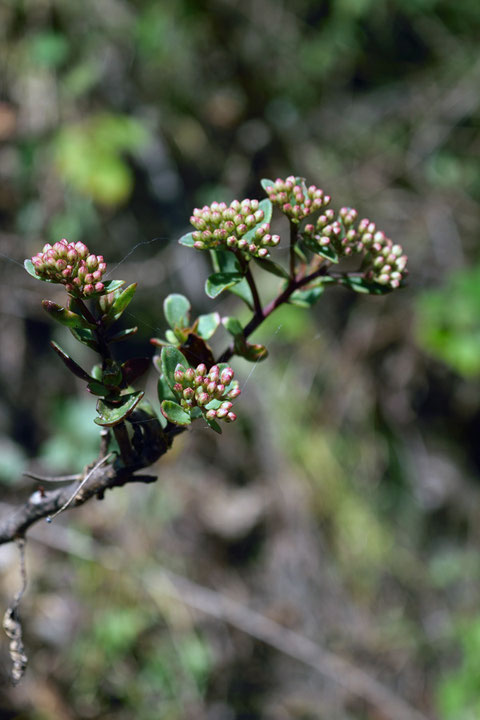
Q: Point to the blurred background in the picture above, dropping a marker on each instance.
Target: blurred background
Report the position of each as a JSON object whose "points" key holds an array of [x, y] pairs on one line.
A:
{"points": [[344, 502]]}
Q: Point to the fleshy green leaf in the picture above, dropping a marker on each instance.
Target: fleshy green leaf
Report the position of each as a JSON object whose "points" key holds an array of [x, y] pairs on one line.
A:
{"points": [[98, 388], [214, 425], [170, 358], [112, 413], [175, 413], [85, 336], [224, 261], [30, 268], [206, 325], [360, 285], [266, 206], [306, 298], [326, 251], [171, 337], [64, 316], [272, 267], [176, 309], [242, 290], [187, 240], [218, 282], [71, 364], [164, 391], [121, 302], [266, 183], [233, 326], [112, 285]]}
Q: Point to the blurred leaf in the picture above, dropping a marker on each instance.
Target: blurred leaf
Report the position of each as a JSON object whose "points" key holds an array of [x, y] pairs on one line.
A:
{"points": [[187, 240], [85, 336], [206, 325], [89, 156], [48, 49], [306, 298], [448, 322], [176, 309], [233, 326], [272, 267], [266, 183], [175, 413], [164, 390]]}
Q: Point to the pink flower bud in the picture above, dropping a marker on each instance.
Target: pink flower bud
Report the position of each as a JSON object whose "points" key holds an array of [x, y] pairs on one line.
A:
{"points": [[201, 369], [88, 289], [203, 399], [179, 373], [190, 374], [178, 388], [230, 417], [227, 376], [211, 414], [91, 262], [188, 393], [99, 287], [81, 249]]}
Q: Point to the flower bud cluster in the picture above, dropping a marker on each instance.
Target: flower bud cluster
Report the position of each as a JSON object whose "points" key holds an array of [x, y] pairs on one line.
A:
{"points": [[386, 262], [222, 225], [197, 388], [72, 265], [295, 199]]}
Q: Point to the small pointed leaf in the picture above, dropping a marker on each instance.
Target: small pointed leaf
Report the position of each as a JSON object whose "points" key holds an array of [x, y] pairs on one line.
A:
{"points": [[121, 302], [112, 285], [122, 334], [175, 413], [71, 364], [85, 336], [214, 425], [64, 316]]}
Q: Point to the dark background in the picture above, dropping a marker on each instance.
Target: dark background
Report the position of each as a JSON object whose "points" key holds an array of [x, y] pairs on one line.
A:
{"points": [[344, 502]]}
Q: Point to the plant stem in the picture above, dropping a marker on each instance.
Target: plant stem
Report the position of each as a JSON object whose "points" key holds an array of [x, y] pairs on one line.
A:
{"points": [[259, 317], [121, 436], [257, 303], [293, 240]]}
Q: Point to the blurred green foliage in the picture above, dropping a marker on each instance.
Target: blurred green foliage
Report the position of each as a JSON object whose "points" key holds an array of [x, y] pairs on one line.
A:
{"points": [[448, 322], [458, 695]]}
